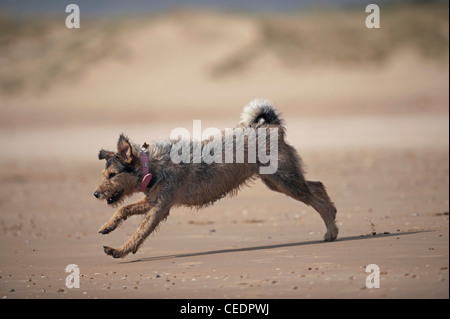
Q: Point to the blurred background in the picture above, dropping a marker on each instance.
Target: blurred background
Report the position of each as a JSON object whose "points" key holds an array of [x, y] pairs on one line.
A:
{"points": [[153, 61]]}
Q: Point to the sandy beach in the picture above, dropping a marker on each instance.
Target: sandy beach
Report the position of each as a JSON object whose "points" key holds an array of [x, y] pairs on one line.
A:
{"points": [[375, 133]]}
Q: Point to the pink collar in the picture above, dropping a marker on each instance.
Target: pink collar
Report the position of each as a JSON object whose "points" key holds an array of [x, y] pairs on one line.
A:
{"points": [[146, 175]]}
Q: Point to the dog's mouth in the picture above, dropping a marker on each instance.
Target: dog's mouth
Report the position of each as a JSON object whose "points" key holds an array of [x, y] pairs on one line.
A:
{"points": [[114, 197]]}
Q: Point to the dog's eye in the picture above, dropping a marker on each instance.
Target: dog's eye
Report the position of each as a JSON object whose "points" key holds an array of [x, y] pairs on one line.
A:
{"points": [[111, 175]]}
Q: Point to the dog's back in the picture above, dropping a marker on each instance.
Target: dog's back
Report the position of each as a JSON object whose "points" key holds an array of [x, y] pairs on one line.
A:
{"points": [[205, 182]]}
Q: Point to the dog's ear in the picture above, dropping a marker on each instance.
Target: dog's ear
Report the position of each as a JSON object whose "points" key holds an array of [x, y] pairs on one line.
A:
{"points": [[104, 154], [124, 149]]}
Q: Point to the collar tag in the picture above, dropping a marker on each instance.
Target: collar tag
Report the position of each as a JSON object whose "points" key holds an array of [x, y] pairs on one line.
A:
{"points": [[146, 176]]}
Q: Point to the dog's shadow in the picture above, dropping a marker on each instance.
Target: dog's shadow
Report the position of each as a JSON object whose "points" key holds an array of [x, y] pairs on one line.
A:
{"points": [[274, 246]]}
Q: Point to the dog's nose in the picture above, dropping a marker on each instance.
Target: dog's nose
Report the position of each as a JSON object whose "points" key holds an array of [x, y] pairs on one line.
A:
{"points": [[97, 194]]}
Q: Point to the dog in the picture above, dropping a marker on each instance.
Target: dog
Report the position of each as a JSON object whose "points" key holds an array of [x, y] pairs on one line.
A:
{"points": [[157, 171]]}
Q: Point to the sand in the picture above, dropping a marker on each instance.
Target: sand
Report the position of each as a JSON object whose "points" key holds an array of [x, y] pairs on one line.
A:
{"points": [[375, 135]]}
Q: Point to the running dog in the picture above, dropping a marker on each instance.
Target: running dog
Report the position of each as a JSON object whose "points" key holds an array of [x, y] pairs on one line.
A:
{"points": [[165, 182]]}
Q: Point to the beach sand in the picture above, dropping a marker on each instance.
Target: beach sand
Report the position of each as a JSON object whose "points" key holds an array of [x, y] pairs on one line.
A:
{"points": [[376, 134]]}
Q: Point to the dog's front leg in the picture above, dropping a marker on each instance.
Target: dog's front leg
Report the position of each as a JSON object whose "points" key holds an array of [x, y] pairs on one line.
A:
{"points": [[139, 208], [148, 224]]}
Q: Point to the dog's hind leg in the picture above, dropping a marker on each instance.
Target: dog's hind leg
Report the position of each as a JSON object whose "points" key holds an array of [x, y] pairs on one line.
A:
{"points": [[310, 193], [147, 226], [322, 203], [139, 208], [318, 189]]}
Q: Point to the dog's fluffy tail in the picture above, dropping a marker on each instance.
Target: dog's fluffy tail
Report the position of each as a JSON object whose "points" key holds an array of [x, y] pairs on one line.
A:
{"points": [[260, 111]]}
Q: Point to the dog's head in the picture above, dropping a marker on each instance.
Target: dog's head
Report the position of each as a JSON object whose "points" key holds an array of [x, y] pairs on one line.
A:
{"points": [[121, 173]]}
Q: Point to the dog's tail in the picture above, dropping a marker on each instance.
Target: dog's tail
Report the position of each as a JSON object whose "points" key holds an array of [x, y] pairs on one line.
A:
{"points": [[260, 111]]}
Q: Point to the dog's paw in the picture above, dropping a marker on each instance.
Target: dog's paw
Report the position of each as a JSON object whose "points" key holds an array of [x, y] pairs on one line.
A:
{"points": [[112, 252], [106, 229], [330, 236], [332, 233]]}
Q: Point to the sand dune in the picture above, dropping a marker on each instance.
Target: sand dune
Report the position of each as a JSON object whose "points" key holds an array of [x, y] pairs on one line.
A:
{"points": [[190, 63]]}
